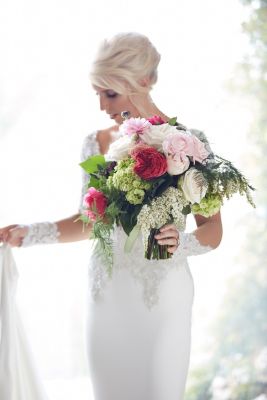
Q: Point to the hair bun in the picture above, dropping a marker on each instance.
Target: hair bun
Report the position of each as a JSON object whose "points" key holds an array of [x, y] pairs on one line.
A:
{"points": [[126, 63]]}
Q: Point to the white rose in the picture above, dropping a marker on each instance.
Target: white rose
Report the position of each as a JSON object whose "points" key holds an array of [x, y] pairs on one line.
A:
{"points": [[177, 167], [156, 134], [119, 149], [194, 185]]}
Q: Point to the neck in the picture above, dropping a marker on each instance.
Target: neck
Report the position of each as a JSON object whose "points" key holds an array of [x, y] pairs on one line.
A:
{"points": [[154, 110], [147, 109]]}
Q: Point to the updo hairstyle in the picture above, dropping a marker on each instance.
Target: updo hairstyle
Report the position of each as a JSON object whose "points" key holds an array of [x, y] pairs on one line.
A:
{"points": [[127, 63]]}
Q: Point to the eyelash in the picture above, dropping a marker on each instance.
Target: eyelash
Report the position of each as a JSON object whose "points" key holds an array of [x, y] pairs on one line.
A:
{"points": [[111, 95]]}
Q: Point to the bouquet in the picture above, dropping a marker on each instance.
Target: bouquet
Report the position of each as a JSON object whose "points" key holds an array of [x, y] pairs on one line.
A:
{"points": [[156, 173]]}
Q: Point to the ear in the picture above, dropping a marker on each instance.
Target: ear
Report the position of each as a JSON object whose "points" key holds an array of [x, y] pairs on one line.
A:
{"points": [[145, 82]]}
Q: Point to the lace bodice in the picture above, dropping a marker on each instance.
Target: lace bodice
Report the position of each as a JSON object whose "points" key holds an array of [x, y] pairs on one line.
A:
{"points": [[90, 147], [147, 273]]}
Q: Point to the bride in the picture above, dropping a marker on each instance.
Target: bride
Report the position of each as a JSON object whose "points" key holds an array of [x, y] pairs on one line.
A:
{"points": [[139, 320]]}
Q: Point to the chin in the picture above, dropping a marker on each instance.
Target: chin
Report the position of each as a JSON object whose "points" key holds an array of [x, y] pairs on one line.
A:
{"points": [[118, 119]]}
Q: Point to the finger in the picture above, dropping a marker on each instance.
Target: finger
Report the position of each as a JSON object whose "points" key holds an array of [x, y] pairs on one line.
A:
{"points": [[14, 236], [168, 241], [7, 228], [5, 231], [171, 249], [167, 227], [172, 244], [15, 242], [5, 236], [168, 233]]}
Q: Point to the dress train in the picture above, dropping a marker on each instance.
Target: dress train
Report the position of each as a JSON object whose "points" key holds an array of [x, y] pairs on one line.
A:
{"points": [[19, 379]]}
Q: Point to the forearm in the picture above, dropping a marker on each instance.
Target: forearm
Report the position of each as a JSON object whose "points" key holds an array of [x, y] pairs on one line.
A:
{"points": [[71, 230], [209, 233], [63, 231], [205, 238]]}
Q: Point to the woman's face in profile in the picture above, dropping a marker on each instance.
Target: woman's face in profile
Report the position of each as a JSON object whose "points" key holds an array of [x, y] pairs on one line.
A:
{"points": [[114, 103]]}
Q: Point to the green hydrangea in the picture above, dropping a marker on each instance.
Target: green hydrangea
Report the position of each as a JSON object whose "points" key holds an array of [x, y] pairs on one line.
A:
{"points": [[208, 206], [125, 179], [135, 196]]}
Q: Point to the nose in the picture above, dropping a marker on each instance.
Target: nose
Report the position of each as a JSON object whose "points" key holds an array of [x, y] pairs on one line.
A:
{"points": [[102, 103]]}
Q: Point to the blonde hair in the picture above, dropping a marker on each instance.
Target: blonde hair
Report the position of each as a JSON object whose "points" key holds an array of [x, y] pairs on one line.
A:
{"points": [[126, 63]]}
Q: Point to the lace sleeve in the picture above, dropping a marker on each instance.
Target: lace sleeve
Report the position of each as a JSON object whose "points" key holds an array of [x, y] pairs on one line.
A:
{"points": [[190, 246], [40, 233], [90, 147]]}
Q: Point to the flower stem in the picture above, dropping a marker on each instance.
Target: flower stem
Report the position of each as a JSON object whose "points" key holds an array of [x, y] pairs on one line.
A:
{"points": [[154, 250]]}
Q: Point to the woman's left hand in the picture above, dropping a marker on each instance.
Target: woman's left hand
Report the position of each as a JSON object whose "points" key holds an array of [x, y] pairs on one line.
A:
{"points": [[169, 235]]}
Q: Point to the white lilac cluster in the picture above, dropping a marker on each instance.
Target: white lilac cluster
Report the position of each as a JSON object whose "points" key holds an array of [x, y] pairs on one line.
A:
{"points": [[168, 207]]}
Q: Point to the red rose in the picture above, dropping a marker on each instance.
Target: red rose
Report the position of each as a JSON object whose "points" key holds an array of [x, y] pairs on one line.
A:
{"points": [[96, 203], [156, 120], [149, 163]]}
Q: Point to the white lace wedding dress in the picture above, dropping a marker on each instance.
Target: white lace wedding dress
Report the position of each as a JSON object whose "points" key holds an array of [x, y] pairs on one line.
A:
{"points": [[139, 321]]}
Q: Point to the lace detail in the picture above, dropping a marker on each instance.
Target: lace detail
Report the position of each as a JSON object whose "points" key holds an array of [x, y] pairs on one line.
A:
{"points": [[98, 277], [90, 147], [149, 274], [150, 278], [41, 233], [190, 246]]}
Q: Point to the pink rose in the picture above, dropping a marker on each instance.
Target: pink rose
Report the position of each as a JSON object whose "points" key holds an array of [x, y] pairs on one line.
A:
{"points": [[96, 203], [156, 120], [200, 151], [135, 126], [176, 166], [181, 145]]}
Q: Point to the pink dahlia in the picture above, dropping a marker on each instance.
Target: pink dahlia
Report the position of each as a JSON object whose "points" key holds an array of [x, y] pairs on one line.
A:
{"points": [[135, 126]]}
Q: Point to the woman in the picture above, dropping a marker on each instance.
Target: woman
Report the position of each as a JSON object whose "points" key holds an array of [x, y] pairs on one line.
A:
{"points": [[139, 320]]}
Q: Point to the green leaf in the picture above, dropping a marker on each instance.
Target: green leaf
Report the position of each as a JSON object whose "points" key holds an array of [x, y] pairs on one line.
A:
{"points": [[82, 218], [91, 164], [93, 182], [186, 210], [131, 239], [160, 186], [128, 217], [172, 121]]}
